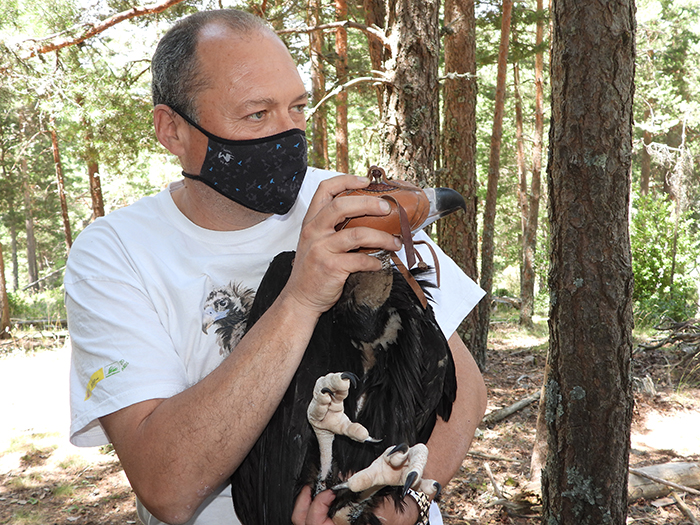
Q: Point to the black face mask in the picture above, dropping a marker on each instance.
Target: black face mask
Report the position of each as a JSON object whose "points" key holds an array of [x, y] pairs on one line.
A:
{"points": [[262, 174]]}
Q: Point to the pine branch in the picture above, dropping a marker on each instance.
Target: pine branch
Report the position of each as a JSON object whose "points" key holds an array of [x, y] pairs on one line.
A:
{"points": [[95, 29], [369, 30]]}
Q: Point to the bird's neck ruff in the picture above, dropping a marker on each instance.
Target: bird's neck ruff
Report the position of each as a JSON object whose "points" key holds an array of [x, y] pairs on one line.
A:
{"points": [[400, 222]]}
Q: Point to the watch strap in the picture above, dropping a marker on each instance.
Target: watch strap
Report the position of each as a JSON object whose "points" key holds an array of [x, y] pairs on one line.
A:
{"points": [[423, 506]]}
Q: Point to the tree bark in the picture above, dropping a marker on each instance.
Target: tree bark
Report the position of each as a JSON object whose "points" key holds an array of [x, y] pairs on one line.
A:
{"points": [[645, 161], [526, 275], [457, 234], [61, 186], [32, 270], [375, 15], [15, 263], [527, 289], [411, 109], [588, 393], [5, 306], [319, 124], [90, 157], [342, 161], [487, 241]]}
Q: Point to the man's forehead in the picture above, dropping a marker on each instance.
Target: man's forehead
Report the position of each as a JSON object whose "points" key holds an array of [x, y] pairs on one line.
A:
{"points": [[216, 31]]}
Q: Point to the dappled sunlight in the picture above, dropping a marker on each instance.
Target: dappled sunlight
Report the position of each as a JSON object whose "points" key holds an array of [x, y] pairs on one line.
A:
{"points": [[676, 429]]}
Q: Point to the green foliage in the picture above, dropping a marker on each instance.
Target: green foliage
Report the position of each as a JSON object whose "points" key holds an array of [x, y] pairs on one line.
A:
{"points": [[46, 304], [663, 285]]}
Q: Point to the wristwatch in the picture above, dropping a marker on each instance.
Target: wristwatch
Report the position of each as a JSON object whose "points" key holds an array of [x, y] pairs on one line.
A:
{"points": [[423, 506]]}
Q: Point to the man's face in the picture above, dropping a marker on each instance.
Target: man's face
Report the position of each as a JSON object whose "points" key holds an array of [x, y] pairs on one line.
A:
{"points": [[254, 88]]}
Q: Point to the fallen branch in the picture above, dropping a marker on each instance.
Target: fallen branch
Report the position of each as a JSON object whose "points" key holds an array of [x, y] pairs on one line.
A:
{"points": [[496, 488], [686, 331], [493, 458], [661, 481], [684, 508], [498, 415]]}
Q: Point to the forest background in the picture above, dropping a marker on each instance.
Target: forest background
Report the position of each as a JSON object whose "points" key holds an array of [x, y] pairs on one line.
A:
{"points": [[76, 139]]}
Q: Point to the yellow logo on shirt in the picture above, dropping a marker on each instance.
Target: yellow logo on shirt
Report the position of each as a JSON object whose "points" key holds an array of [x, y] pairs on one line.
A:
{"points": [[102, 373]]}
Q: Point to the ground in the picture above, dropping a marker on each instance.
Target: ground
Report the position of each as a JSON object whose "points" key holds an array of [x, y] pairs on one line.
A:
{"points": [[45, 480]]}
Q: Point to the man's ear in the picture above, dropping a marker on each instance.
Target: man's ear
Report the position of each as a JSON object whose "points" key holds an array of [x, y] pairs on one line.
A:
{"points": [[169, 129]]}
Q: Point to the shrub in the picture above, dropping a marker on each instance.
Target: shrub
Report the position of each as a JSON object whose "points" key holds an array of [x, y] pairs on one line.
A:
{"points": [[663, 287]]}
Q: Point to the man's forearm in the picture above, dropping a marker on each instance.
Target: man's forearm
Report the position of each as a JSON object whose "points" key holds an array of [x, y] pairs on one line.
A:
{"points": [[176, 451]]}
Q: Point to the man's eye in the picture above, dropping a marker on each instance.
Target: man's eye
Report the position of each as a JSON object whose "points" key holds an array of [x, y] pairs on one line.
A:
{"points": [[257, 116], [301, 108]]}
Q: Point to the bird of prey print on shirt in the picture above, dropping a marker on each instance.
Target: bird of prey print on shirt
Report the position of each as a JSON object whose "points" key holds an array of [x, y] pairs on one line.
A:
{"points": [[375, 376], [227, 308]]}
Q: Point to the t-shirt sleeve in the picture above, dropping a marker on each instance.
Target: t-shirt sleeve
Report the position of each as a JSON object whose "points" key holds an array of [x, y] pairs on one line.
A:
{"points": [[116, 336], [457, 294]]}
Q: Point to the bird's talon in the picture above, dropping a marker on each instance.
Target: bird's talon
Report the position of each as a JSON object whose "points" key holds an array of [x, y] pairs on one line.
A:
{"points": [[403, 448], [410, 480], [350, 377]]}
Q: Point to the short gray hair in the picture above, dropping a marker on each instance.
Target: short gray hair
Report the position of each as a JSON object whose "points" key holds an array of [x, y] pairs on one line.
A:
{"points": [[177, 79]]}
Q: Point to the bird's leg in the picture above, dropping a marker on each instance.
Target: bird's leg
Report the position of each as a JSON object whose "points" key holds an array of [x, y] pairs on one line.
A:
{"points": [[397, 466], [327, 418]]}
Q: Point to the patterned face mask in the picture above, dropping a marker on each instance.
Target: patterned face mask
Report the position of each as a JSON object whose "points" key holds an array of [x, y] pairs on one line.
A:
{"points": [[262, 174]]}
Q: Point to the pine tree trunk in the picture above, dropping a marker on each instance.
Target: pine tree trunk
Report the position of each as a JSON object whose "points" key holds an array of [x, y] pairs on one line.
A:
{"points": [[32, 270], [15, 263], [526, 301], [411, 108], [645, 160], [318, 156], [5, 303], [375, 15], [527, 289], [91, 156], [457, 234], [98, 207], [61, 186], [342, 162], [588, 395], [487, 241]]}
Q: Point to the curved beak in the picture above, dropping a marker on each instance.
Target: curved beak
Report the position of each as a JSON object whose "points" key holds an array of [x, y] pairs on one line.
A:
{"points": [[443, 202]]}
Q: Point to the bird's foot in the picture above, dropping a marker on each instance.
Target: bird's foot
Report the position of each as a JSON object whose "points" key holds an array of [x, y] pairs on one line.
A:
{"points": [[327, 418], [397, 466], [325, 412]]}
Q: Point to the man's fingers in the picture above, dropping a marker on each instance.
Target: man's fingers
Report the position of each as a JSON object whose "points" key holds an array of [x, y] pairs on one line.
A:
{"points": [[301, 506], [318, 512], [355, 238], [329, 188]]}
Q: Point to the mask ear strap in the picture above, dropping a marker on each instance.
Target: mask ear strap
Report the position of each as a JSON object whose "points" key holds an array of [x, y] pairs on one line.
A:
{"points": [[194, 124]]}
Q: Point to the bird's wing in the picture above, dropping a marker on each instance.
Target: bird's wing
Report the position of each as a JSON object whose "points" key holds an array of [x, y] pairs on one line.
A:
{"points": [[285, 457], [262, 486]]}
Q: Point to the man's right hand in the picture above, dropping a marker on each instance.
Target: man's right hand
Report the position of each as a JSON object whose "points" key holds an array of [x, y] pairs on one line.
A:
{"points": [[325, 257], [312, 512]]}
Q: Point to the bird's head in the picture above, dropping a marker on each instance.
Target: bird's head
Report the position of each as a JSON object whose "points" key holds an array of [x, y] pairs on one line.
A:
{"points": [[412, 208]]}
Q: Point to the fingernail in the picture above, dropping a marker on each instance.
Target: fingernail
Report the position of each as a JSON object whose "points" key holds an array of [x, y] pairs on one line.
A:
{"points": [[397, 242], [386, 207]]}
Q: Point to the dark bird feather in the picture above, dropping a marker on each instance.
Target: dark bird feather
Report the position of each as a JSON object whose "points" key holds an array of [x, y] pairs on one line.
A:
{"points": [[379, 331]]}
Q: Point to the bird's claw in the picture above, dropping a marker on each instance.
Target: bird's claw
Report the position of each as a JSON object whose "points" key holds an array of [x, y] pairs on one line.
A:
{"points": [[325, 412], [397, 466]]}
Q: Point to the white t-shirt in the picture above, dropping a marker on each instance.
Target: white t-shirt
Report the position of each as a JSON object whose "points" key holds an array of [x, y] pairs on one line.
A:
{"points": [[142, 284]]}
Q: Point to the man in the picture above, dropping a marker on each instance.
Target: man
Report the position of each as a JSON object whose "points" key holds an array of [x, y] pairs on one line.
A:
{"points": [[181, 411]]}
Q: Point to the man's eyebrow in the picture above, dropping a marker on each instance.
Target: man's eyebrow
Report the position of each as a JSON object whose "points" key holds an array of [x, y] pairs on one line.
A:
{"points": [[304, 97]]}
